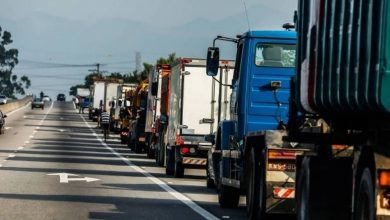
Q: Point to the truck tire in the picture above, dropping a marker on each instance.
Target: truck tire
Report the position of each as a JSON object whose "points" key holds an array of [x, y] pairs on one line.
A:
{"points": [[323, 188], [256, 198], [170, 163], [209, 182], [160, 153], [310, 190], [138, 147], [228, 197], [365, 197], [150, 152], [179, 170]]}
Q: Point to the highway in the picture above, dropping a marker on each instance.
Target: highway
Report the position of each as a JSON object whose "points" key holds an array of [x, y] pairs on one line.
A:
{"points": [[54, 165]]}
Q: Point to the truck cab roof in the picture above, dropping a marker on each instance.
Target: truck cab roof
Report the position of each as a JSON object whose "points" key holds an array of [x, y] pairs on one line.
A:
{"points": [[277, 34]]}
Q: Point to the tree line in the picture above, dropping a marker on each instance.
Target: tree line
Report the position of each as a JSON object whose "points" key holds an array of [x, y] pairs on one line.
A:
{"points": [[10, 83], [131, 77]]}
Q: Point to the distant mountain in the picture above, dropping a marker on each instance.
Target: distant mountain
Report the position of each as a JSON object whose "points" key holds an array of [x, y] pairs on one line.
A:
{"points": [[48, 38]]}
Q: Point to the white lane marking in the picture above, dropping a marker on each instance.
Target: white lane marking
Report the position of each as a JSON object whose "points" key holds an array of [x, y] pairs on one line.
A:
{"points": [[61, 118], [11, 155], [64, 177], [12, 112], [20, 148], [7, 128], [184, 199], [225, 217], [26, 142], [31, 136], [1, 165], [37, 127]]}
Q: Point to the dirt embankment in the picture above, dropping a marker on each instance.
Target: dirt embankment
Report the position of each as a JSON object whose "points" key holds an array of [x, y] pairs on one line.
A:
{"points": [[12, 105]]}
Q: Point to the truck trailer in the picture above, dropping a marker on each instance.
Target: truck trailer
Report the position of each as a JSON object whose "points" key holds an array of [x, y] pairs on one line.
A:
{"points": [[341, 110], [153, 107], [191, 118], [97, 94], [161, 123]]}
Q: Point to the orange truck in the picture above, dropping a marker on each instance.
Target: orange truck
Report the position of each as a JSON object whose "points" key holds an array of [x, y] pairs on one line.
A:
{"points": [[137, 139]]}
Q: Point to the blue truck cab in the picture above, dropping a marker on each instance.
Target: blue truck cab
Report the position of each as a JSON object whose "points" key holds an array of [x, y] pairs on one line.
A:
{"points": [[265, 63]]}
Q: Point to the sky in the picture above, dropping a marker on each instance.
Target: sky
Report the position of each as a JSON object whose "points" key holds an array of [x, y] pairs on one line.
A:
{"points": [[49, 33]]}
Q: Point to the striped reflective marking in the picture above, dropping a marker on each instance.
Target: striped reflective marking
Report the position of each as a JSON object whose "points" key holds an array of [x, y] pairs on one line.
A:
{"points": [[284, 193], [195, 161]]}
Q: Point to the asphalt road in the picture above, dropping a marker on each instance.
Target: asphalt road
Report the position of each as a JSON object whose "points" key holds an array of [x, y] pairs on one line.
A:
{"points": [[54, 165]]}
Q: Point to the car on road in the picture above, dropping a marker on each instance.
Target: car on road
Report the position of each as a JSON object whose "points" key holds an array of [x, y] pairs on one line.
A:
{"points": [[37, 103], [3, 99], [61, 97], [2, 122], [46, 98]]}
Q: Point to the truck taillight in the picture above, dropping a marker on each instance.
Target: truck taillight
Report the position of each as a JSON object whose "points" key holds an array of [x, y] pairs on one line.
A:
{"points": [[281, 154], [185, 150], [384, 178]]}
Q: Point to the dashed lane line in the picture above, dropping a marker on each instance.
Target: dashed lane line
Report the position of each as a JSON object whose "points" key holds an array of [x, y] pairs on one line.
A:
{"points": [[181, 197]]}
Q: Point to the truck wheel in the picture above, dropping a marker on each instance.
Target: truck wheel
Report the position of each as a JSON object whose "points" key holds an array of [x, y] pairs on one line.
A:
{"points": [[150, 151], [170, 163], [160, 154], [311, 192], [209, 182], [228, 197], [365, 198], [255, 198], [138, 147], [179, 170]]}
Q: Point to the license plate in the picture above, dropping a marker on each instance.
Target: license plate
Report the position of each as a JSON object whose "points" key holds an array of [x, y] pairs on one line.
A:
{"points": [[141, 139], [290, 167]]}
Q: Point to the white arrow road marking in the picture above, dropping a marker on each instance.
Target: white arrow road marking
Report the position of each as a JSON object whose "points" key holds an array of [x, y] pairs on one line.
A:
{"points": [[64, 177]]}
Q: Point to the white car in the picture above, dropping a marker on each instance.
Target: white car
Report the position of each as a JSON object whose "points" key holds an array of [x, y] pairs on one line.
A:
{"points": [[46, 98], [3, 99]]}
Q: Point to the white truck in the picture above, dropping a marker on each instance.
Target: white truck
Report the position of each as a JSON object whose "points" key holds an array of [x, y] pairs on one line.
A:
{"points": [[97, 94], [193, 114], [83, 92]]}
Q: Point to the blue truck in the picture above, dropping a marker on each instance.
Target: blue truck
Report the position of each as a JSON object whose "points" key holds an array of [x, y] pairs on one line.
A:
{"points": [[249, 154]]}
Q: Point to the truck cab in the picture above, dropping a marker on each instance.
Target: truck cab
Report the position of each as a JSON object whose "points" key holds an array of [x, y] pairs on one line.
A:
{"points": [[259, 106]]}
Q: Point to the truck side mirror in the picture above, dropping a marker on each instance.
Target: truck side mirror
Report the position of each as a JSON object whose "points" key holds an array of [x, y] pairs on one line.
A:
{"points": [[154, 89], [212, 64]]}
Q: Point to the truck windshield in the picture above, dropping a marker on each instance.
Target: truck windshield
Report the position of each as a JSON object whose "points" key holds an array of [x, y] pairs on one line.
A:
{"points": [[275, 55]]}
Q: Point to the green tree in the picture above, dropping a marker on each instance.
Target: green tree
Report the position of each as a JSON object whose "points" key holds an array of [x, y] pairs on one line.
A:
{"points": [[10, 83], [73, 89], [169, 60]]}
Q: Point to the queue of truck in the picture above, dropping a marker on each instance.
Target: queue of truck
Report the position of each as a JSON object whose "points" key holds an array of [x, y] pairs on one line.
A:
{"points": [[298, 123]]}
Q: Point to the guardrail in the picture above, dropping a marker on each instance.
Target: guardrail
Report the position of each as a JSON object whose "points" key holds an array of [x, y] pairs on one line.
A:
{"points": [[10, 106]]}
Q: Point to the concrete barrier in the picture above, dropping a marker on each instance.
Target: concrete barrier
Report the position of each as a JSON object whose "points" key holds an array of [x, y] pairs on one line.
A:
{"points": [[9, 107]]}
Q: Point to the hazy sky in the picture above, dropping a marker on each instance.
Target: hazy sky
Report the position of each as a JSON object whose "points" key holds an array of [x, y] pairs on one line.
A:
{"points": [[110, 32]]}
